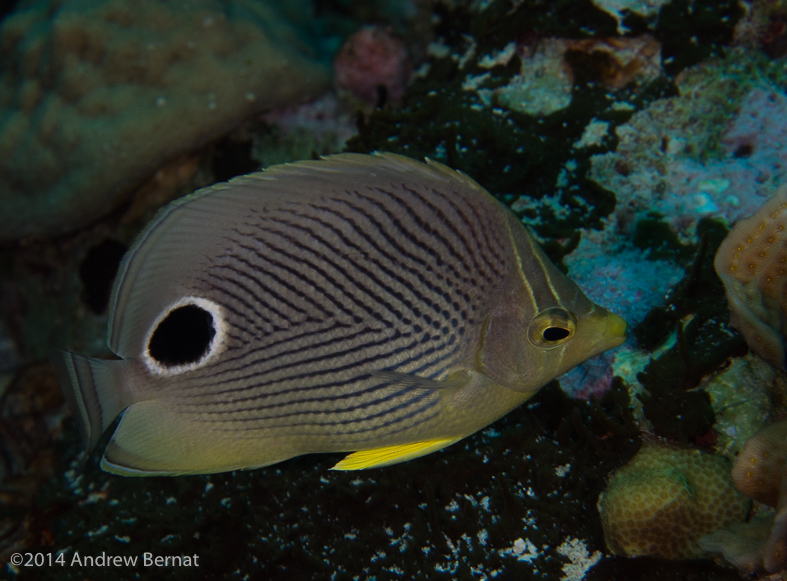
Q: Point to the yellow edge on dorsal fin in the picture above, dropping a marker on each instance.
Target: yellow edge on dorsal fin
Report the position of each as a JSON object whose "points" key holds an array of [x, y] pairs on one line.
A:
{"points": [[379, 457]]}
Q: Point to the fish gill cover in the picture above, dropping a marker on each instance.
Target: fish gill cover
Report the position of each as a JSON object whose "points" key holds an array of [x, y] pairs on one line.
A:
{"points": [[627, 136]]}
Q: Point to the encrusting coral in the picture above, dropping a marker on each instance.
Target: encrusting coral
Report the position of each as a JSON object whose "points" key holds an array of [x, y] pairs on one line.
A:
{"points": [[96, 95], [760, 472], [665, 499], [371, 59], [751, 263]]}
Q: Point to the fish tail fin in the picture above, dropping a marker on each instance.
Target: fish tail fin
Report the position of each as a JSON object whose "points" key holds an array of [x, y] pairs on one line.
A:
{"points": [[93, 392]]}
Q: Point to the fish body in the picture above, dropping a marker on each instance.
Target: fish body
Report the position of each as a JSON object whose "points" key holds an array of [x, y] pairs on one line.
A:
{"points": [[359, 303]]}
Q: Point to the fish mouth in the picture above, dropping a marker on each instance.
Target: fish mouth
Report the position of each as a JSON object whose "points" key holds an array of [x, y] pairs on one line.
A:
{"points": [[616, 329], [610, 330]]}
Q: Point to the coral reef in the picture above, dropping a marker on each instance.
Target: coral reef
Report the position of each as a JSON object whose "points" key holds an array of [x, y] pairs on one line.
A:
{"points": [[542, 86], [617, 9], [373, 66], [665, 499], [320, 127], [761, 474], [764, 26], [751, 262], [95, 96], [548, 68], [613, 184], [713, 150], [741, 395]]}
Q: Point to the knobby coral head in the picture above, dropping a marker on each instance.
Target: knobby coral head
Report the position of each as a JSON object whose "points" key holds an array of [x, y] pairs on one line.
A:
{"points": [[665, 499], [751, 263], [760, 472]]}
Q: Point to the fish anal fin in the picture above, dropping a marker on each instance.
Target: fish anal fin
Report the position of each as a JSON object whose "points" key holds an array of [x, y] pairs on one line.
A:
{"points": [[379, 457], [153, 440]]}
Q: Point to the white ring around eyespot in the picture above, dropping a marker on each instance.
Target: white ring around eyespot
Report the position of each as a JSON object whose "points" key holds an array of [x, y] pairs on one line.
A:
{"points": [[217, 344]]}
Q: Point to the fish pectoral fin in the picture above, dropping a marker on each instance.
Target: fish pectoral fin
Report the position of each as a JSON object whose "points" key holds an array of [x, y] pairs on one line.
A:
{"points": [[456, 379], [379, 457]]}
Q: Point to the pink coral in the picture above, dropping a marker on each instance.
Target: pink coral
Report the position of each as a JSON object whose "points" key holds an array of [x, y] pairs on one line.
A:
{"points": [[372, 58]]}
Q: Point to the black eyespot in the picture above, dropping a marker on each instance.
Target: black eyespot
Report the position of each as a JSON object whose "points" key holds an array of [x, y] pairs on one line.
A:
{"points": [[555, 333], [184, 336]]}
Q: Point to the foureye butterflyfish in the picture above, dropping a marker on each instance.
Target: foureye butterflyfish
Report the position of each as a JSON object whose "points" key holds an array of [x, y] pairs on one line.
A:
{"points": [[359, 303]]}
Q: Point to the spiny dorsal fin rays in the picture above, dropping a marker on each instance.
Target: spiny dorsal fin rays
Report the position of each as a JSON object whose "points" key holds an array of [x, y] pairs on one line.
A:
{"points": [[347, 164]]}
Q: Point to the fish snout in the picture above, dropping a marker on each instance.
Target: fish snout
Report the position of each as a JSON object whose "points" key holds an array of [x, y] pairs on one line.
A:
{"points": [[608, 329]]}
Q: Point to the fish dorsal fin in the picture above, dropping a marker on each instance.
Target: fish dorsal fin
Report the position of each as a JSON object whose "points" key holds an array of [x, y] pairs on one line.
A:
{"points": [[179, 242], [379, 457], [347, 166]]}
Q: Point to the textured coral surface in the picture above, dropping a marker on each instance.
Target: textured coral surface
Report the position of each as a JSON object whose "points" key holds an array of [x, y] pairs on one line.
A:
{"points": [[751, 262], [95, 95], [665, 499], [761, 473]]}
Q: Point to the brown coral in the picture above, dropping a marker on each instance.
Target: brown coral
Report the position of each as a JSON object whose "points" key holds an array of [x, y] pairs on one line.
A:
{"points": [[620, 61], [751, 264], [96, 95], [665, 499], [760, 472]]}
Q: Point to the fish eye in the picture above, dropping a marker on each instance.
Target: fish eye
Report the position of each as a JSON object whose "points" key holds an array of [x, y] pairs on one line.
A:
{"points": [[552, 327], [184, 336]]}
